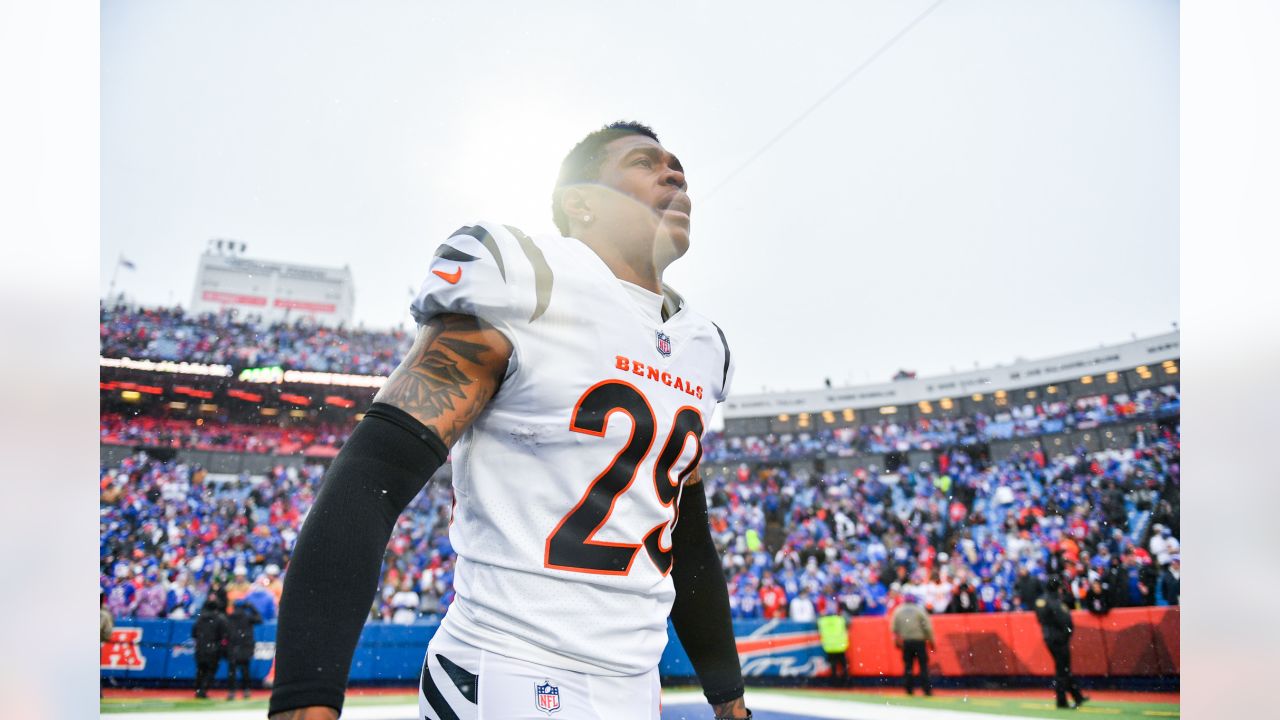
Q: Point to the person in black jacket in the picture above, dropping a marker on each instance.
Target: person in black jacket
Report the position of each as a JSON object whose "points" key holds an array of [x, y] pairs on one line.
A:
{"points": [[1098, 599], [1116, 581], [210, 634], [1056, 625], [240, 644], [1027, 588], [964, 599]]}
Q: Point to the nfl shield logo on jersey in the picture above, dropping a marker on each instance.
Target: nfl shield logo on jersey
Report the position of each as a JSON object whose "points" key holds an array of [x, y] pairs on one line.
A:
{"points": [[664, 344], [548, 697]]}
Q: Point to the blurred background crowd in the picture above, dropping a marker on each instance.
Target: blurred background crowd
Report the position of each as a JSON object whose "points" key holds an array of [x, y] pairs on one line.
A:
{"points": [[961, 532], [246, 341]]}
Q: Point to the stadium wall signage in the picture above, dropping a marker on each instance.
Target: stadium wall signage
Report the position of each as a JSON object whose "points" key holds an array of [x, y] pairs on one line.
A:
{"points": [[276, 374], [166, 366], [1125, 643]]}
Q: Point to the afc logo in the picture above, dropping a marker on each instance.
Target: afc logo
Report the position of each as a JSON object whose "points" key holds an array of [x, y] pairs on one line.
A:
{"points": [[547, 696], [121, 652]]}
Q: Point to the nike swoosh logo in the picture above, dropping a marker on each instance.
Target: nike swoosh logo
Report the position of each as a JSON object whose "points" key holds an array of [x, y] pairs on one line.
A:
{"points": [[451, 278]]}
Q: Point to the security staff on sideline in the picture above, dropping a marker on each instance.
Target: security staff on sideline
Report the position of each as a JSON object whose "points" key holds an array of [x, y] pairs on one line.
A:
{"points": [[1056, 625], [912, 631], [210, 635], [833, 631]]}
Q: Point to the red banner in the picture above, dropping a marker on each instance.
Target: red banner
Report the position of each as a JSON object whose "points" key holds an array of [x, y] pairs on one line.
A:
{"points": [[304, 305], [232, 298], [1125, 642]]}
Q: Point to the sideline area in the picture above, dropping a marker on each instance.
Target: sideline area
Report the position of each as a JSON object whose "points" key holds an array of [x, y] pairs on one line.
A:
{"points": [[688, 704]]}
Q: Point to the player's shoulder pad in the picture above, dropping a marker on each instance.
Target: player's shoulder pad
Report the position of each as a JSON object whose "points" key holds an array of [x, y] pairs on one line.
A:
{"points": [[489, 270]]}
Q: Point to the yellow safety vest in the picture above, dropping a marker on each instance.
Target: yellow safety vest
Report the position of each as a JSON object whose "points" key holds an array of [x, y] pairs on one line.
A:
{"points": [[834, 632]]}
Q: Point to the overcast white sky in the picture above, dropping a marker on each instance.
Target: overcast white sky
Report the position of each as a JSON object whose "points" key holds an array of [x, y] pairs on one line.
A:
{"points": [[1002, 182]]}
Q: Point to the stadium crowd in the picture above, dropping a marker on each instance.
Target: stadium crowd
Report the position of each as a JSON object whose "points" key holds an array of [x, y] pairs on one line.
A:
{"points": [[221, 433], [217, 434], [172, 535], [246, 341], [960, 533], [964, 536]]}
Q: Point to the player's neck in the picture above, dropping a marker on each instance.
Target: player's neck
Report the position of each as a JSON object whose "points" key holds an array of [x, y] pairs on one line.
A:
{"points": [[636, 268]]}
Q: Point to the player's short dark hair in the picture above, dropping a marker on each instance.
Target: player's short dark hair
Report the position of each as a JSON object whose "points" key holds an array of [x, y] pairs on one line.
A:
{"points": [[583, 162]]}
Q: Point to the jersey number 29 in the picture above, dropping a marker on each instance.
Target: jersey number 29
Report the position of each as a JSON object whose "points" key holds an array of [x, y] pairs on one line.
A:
{"points": [[571, 546]]}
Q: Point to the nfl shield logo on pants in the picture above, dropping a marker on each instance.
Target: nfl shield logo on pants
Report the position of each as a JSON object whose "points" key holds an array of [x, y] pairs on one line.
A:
{"points": [[664, 344], [548, 697]]}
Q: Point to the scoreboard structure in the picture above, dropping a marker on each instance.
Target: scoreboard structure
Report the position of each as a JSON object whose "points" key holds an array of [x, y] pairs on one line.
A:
{"points": [[275, 291]]}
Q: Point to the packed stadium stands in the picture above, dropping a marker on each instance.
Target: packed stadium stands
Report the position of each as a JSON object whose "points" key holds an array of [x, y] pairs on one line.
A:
{"points": [[158, 432], [173, 334], [207, 477]]}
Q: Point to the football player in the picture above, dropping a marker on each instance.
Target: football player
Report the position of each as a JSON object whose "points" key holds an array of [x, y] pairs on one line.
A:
{"points": [[573, 388]]}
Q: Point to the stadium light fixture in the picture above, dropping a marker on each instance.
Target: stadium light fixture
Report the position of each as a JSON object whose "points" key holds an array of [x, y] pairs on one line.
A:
{"points": [[297, 413], [1086, 380], [946, 403], [1031, 394], [888, 409], [977, 397], [784, 417], [848, 414], [1052, 389], [269, 411], [178, 405], [208, 407], [130, 395]]}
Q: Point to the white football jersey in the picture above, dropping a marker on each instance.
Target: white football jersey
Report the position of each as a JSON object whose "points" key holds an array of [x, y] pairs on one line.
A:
{"points": [[567, 483]]}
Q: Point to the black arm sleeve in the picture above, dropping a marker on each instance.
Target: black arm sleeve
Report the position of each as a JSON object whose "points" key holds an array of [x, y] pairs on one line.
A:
{"points": [[700, 614], [333, 572]]}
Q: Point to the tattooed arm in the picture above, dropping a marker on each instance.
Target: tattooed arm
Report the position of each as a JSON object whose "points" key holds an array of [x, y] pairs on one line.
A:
{"points": [[455, 366]]}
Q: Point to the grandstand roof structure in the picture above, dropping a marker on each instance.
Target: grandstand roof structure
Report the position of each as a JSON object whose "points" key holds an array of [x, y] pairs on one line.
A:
{"points": [[1077, 368]]}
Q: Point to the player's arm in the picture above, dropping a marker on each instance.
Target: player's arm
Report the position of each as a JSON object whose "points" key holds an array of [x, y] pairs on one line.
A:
{"points": [[455, 366], [700, 614]]}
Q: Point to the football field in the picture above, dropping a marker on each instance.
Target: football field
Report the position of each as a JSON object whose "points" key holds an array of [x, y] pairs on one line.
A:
{"points": [[771, 704]]}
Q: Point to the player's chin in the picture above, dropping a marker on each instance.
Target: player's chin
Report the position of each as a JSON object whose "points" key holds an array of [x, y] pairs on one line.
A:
{"points": [[676, 234]]}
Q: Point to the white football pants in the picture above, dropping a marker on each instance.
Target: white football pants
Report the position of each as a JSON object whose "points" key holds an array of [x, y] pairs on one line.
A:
{"points": [[463, 682]]}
